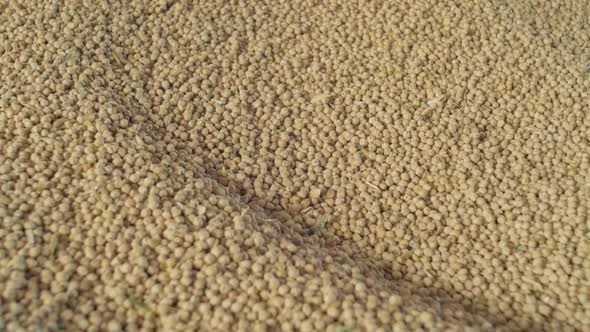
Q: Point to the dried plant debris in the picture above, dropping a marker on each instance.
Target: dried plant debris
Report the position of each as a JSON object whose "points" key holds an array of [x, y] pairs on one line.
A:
{"points": [[319, 224]]}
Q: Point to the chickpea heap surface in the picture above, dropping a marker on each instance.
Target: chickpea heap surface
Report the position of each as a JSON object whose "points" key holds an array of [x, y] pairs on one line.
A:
{"points": [[294, 165]]}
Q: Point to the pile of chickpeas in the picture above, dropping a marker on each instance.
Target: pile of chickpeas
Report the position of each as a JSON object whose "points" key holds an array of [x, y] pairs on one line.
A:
{"points": [[294, 165]]}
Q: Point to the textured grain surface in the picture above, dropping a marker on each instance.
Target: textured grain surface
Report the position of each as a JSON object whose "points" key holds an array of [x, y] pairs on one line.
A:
{"points": [[294, 165]]}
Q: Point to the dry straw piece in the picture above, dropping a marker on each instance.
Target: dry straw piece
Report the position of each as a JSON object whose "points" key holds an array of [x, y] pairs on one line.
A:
{"points": [[294, 165]]}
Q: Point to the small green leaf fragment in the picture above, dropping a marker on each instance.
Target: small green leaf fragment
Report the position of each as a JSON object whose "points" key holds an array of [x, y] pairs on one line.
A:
{"points": [[136, 300], [319, 225], [343, 328]]}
